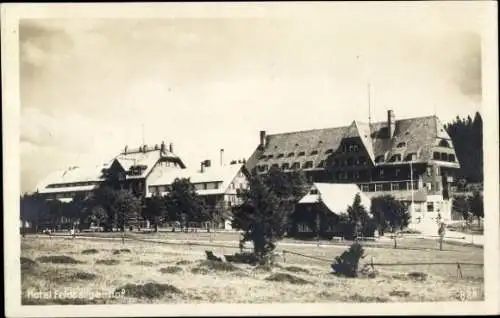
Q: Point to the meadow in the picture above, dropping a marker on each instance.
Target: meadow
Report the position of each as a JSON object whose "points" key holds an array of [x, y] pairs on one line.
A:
{"points": [[63, 270]]}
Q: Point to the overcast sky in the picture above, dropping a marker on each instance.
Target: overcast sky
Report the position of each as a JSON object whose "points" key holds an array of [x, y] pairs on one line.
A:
{"points": [[88, 85]]}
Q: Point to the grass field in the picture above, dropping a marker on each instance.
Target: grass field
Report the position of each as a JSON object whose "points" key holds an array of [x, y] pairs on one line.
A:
{"points": [[61, 270]]}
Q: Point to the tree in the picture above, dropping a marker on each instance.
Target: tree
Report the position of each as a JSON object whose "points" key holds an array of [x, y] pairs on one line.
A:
{"points": [[155, 210], [262, 217], [461, 205], [127, 209], [358, 221], [476, 205], [183, 204], [389, 213], [467, 137]]}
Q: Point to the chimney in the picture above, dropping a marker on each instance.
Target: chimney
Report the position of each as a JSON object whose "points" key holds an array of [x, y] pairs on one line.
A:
{"points": [[262, 143], [156, 147], [221, 157], [201, 166], [391, 123], [208, 163], [125, 151], [171, 148], [162, 147]]}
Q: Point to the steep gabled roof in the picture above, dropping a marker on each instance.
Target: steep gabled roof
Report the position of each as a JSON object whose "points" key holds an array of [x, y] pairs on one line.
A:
{"points": [[411, 136], [147, 158], [337, 197], [225, 174], [73, 175]]}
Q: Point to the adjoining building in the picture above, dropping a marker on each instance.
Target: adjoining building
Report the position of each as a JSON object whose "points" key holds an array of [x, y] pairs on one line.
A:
{"points": [[397, 157], [218, 187], [318, 211], [132, 169]]}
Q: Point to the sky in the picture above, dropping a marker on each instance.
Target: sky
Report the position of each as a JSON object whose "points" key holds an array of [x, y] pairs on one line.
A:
{"points": [[91, 86]]}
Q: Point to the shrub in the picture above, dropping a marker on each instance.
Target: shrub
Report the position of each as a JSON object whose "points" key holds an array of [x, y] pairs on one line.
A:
{"points": [[296, 269], [58, 259], [125, 250], [218, 266], [170, 270], [288, 278], [399, 293], [184, 262], [418, 276], [144, 263], [107, 262], [27, 263], [347, 263], [148, 290], [90, 251]]}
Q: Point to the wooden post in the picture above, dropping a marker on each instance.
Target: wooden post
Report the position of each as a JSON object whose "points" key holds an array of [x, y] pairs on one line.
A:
{"points": [[373, 267], [441, 242], [395, 242], [459, 270], [123, 236], [284, 256]]}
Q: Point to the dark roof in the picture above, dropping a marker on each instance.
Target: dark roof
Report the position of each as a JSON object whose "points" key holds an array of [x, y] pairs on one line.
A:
{"points": [[414, 135]]}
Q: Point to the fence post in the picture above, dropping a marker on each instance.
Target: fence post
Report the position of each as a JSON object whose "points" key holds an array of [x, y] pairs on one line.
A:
{"points": [[459, 270], [284, 256], [373, 267], [123, 236], [395, 241], [441, 242]]}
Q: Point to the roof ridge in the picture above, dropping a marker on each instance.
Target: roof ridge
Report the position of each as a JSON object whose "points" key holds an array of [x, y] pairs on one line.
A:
{"points": [[347, 126]]}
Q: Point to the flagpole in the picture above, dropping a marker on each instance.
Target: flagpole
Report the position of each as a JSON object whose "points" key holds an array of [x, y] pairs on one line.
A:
{"points": [[411, 187]]}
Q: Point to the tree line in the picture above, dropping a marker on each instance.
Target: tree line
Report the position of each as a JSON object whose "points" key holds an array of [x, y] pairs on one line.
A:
{"points": [[467, 136], [112, 208]]}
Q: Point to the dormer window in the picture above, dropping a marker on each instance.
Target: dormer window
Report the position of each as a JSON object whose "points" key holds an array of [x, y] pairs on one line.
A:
{"points": [[314, 191], [285, 166], [451, 157], [314, 152], [401, 145], [395, 158], [281, 155], [435, 156], [444, 143], [410, 157], [275, 166], [308, 165], [262, 157], [262, 168], [291, 154], [379, 159], [329, 151], [270, 156], [302, 153]]}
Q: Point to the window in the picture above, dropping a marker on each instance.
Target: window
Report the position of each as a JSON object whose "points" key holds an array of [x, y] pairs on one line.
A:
{"points": [[308, 165], [429, 171], [379, 158], [281, 155], [296, 165], [314, 191], [321, 164], [436, 156], [395, 186], [411, 156], [395, 158], [401, 145], [301, 153], [444, 156], [291, 154], [381, 173], [270, 156], [428, 185], [364, 188], [397, 172], [329, 151], [378, 187], [263, 168], [430, 206], [314, 152], [285, 166], [451, 158], [437, 171], [274, 166], [444, 143]]}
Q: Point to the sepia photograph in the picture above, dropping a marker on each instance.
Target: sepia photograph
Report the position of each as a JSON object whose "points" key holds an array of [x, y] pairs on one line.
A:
{"points": [[250, 153]]}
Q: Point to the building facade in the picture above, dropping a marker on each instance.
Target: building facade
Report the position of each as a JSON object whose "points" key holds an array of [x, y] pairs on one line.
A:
{"points": [[131, 169], [406, 158], [218, 187]]}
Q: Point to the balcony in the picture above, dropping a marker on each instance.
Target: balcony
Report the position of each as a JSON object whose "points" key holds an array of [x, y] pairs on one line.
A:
{"points": [[402, 189]]}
